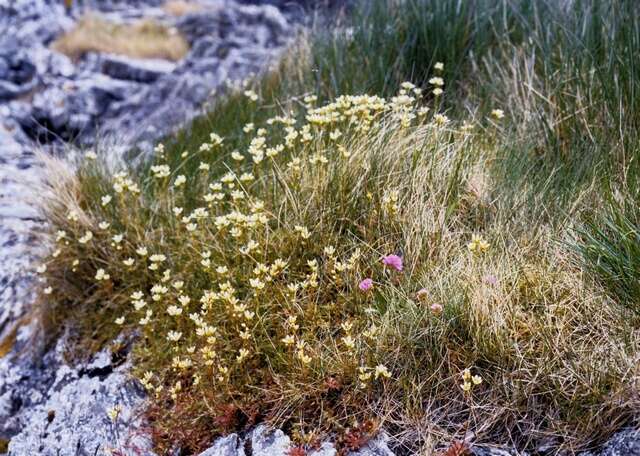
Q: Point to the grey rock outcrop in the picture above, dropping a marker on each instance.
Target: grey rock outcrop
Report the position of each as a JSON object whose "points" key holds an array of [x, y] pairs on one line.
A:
{"points": [[60, 410], [624, 443], [138, 70], [262, 441], [107, 94], [230, 445]]}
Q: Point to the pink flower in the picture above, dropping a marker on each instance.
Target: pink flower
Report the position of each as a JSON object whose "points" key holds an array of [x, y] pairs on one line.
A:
{"points": [[366, 285], [422, 294], [436, 309], [490, 279], [394, 261]]}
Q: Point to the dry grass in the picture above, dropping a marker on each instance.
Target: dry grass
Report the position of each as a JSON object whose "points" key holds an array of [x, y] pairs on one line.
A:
{"points": [[6, 344], [143, 39], [180, 7]]}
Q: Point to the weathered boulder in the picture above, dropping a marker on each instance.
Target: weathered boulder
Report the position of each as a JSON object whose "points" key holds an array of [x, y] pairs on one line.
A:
{"points": [[267, 442], [85, 410], [71, 112], [139, 70], [17, 72], [263, 441], [624, 443], [263, 24], [230, 445]]}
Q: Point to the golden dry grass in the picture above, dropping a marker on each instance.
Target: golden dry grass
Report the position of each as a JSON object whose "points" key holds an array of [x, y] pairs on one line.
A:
{"points": [[181, 7], [143, 39]]}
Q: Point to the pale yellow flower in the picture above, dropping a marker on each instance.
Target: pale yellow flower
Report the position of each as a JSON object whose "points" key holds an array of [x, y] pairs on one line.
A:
{"points": [[497, 114], [106, 199], [180, 180], [88, 235], [382, 371], [102, 275]]}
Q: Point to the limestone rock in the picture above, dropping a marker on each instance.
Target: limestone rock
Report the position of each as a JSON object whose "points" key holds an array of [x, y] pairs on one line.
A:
{"points": [[139, 70], [624, 443], [230, 445], [72, 415], [267, 442]]}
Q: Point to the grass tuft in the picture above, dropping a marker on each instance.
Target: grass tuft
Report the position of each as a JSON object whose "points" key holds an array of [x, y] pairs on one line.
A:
{"points": [[144, 39]]}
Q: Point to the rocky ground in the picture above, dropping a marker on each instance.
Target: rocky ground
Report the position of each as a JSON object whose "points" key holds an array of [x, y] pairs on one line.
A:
{"points": [[48, 101]]}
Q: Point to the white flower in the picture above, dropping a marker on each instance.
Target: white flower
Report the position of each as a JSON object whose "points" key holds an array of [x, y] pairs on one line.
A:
{"points": [[161, 171], [119, 321], [439, 66], [106, 199], [349, 342], [216, 139], [440, 119], [137, 295], [102, 275], [382, 371], [181, 179], [497, 114], [159, 289], [128, 262], [250, 94], [242, 355], [88, 235], [147, 318], [174, 311], [48, 290], [174, 336], [288, 340]]}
